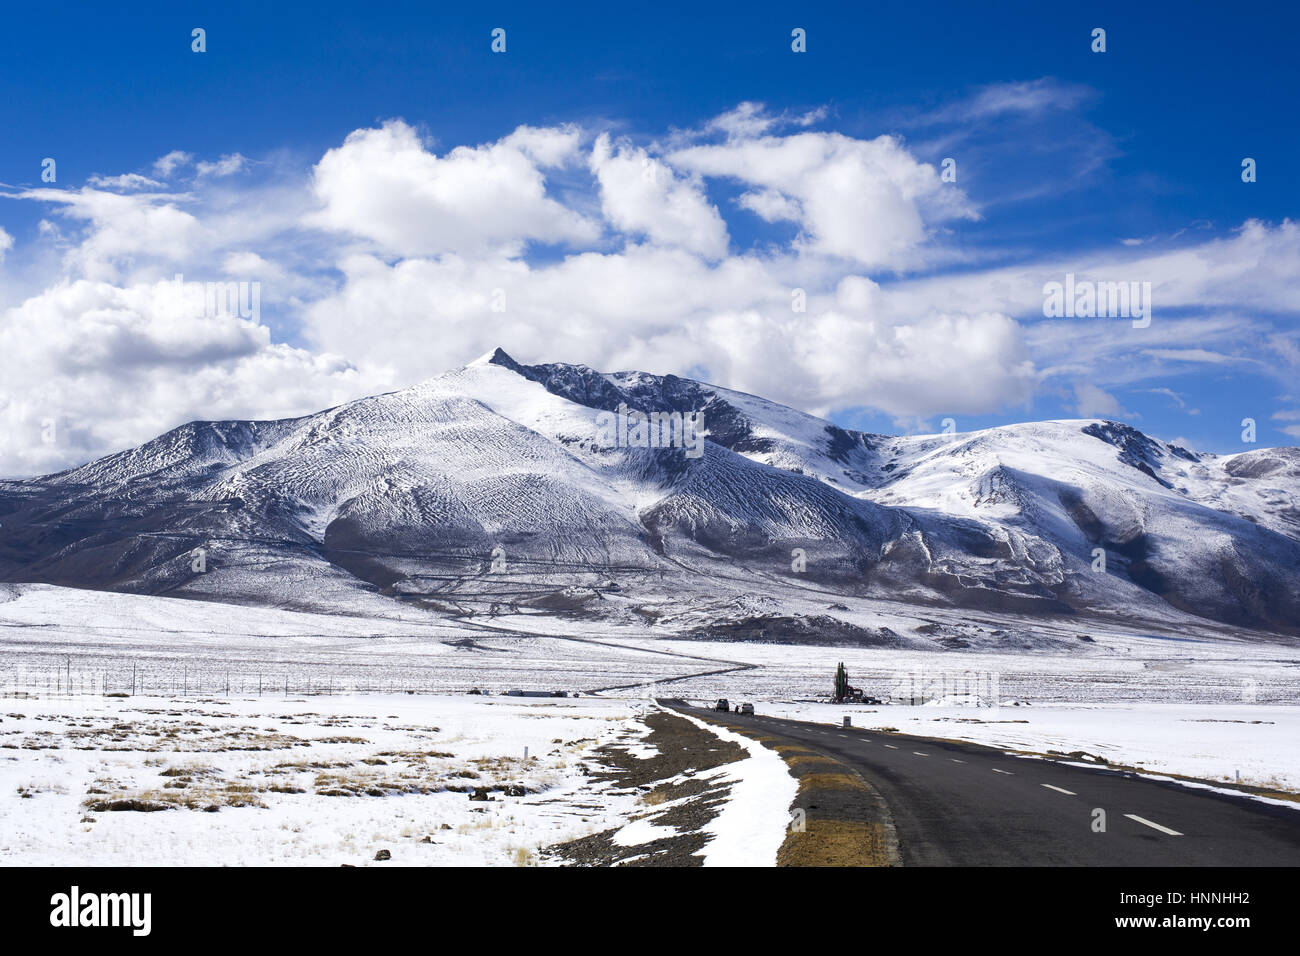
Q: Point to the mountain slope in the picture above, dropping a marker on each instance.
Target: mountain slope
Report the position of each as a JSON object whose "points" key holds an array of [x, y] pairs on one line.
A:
{"points": [[490, 487]]}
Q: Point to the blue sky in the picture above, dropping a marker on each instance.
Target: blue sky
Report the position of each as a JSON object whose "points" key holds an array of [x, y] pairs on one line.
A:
{"points": [[1123, 165]]}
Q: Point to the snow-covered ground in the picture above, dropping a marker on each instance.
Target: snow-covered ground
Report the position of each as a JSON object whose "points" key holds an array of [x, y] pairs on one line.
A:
{"points": [[181, 646], [319, 781], [364, 690], [332, 780], [762, 790]]}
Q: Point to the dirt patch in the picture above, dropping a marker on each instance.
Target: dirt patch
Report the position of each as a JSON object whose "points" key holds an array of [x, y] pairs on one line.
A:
{"points": [[836, 843]]}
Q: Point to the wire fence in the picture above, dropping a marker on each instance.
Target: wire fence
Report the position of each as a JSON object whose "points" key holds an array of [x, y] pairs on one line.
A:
{"points": [[134, 680]]}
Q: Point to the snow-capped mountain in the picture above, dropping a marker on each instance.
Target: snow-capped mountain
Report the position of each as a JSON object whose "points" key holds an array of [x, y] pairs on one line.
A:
{"points": [[497, 485]]}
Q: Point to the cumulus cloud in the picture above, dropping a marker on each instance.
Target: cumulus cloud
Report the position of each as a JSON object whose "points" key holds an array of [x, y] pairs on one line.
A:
{"points": [[90, 367], [641, 195], [667, 310], [250, 265], [385, 185], [123, 226], [867, 201]]}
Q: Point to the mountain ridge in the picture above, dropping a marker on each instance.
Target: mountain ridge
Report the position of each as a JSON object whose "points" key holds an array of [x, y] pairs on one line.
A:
{"points": [[425, 496]]}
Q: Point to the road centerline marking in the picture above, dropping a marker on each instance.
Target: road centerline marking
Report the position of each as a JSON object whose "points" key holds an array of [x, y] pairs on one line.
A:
{"points": [[891, 746], [955, 760], [919, 754], [1007, 772], [1153, 826], [1068, 793]]}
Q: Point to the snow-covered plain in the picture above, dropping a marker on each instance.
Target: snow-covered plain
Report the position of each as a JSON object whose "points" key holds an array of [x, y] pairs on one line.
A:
{"points": [[1256, 745], [304, 781], [370, 689], [183, 646]]}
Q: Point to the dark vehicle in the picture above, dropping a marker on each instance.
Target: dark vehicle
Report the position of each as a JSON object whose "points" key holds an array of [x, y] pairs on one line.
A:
{"points": [[722, 705]]}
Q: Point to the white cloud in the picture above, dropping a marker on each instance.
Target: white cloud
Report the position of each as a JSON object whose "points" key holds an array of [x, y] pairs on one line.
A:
{"points": [[667, 310], [1288, 415], [1093, 402], [164, 166], [641, 195], [249, 265], [384, 185], [225, 166], [1204, 356], [1026, 98], [123, 226], [868, 201], [1175, 397], [771, 206], [6, 243], [90, 367], [750, 119], [127, 182]]}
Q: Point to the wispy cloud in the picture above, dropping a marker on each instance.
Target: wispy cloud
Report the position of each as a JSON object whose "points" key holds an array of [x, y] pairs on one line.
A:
{"points": [[1031, 99]]}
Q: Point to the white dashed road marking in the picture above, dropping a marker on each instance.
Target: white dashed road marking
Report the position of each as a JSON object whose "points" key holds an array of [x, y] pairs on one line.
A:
{"points": [[1068, 793], [955, 760], [1007, 772], [891, 746], [1153, 826], [919, 754]]}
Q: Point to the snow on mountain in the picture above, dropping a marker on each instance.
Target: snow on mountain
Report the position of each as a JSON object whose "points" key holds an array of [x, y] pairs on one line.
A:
{"points": [[492, 487]]}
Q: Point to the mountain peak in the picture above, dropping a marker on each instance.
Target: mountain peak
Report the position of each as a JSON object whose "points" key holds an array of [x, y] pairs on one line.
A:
{"points": [[497, 356], [412, 486]]}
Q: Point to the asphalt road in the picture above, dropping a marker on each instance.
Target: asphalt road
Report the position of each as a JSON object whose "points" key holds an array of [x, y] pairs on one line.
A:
{"points": [[957, 804]]}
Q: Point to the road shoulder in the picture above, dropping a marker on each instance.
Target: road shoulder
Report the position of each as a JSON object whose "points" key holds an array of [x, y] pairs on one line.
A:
{"points": [[837, 817]]}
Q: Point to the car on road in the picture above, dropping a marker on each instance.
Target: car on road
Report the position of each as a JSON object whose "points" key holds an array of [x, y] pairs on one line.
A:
{"points": [[745, 709], [723, 705]]}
